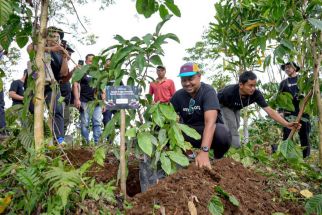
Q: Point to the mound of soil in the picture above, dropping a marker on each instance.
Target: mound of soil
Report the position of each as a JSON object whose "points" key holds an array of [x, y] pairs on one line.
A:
{"points": [[173, 193], [110, 169]]}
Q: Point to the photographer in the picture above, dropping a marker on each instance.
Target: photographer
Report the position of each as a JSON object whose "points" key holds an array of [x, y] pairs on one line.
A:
{"points": [[56, 67]]}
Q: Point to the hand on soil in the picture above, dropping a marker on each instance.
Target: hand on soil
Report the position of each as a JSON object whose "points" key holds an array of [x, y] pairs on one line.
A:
{"points": [[202, 160]]}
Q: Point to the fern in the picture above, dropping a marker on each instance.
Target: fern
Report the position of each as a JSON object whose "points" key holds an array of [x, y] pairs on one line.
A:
{"points": [[63, 181], [99, 191], [28, 177], [314, 205]]}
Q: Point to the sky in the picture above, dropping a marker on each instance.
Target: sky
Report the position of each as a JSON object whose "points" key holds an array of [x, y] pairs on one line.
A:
{"points": [[121, 18]]}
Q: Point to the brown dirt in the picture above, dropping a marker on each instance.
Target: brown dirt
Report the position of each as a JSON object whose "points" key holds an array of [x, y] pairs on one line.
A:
{"points": [[173, 193], [110, 169]]}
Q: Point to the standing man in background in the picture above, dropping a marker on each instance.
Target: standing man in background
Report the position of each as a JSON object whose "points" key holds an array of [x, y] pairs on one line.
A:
{"points": [[289, 85], [163, 88], [84, 94]]}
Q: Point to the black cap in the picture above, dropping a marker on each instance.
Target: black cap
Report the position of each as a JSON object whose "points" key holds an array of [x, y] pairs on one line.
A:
{"points": [[69, 49], [297, 68], [161, 67]]}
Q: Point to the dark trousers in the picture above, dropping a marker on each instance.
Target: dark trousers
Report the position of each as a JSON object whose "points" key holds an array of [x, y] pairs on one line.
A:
{"points": [[220, 143], [2, 114], [58, 119], [304, 134]]}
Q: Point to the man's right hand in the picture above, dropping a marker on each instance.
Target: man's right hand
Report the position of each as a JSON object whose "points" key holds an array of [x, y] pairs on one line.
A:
{"points": [[77, 103]]}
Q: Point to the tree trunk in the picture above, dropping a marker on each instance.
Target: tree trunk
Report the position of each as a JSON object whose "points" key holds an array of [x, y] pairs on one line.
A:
{"points": [[317, 63], [122, 154], [40, 81]]}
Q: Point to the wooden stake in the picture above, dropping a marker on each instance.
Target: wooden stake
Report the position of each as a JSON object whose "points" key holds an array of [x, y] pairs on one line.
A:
{"points": [[122, 154]]}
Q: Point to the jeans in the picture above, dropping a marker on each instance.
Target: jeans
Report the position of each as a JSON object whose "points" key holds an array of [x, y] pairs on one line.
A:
{"points": [[2, 114], [96, 119]]}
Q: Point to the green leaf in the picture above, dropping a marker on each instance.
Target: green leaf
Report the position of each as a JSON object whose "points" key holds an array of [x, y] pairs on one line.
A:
{"points": [[215, 206], [79, 73], [168, 111], [21, 39], [189, 131], [145, 143], [289, 150], [165, 163], [162, 136], [233, 200], [160, 24], [316, 23], [173, 8], [5, 11], [156, 60], [140, 6], [140, 60], [288, 44], [314, 205], [120, 39], [63, 192], [158, 118], [179, 158], [226, 195], [163, 11], [130, 132], [147, 39], [99, 156], [284, 100]]}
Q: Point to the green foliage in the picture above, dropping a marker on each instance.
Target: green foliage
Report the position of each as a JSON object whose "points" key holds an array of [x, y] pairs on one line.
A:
{"points": [[284, 100], [15, 23], [149, 7], [289, 150], [5, 11], [215, 206], [314, 205]]}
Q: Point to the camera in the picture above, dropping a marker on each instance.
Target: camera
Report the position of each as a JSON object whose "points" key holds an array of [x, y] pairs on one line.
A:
{"points": [[64, 44], [81, 62]]}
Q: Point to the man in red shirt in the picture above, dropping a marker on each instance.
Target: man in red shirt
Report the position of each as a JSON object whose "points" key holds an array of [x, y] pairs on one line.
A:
{"points": [[162, 89]]}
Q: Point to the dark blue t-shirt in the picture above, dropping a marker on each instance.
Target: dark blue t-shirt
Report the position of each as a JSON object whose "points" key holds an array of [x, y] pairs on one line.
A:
{"points": [[191, 110], [18, 87]]}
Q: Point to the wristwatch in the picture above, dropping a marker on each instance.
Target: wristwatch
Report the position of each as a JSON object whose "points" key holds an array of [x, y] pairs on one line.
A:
{"points": [[205, 148]]}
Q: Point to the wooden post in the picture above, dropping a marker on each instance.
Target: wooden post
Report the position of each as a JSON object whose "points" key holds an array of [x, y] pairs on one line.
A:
{"points": [[122, 154]]}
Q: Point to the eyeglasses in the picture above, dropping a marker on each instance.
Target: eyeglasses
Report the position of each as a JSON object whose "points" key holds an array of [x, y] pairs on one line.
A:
{"points": [[191, 104]]}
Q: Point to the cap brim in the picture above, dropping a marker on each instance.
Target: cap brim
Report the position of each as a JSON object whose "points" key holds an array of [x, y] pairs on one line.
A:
{"points": [[186, 74]]}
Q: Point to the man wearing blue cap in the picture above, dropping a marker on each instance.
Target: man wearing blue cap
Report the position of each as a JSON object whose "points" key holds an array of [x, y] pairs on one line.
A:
{"points": [[198, 107]]}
